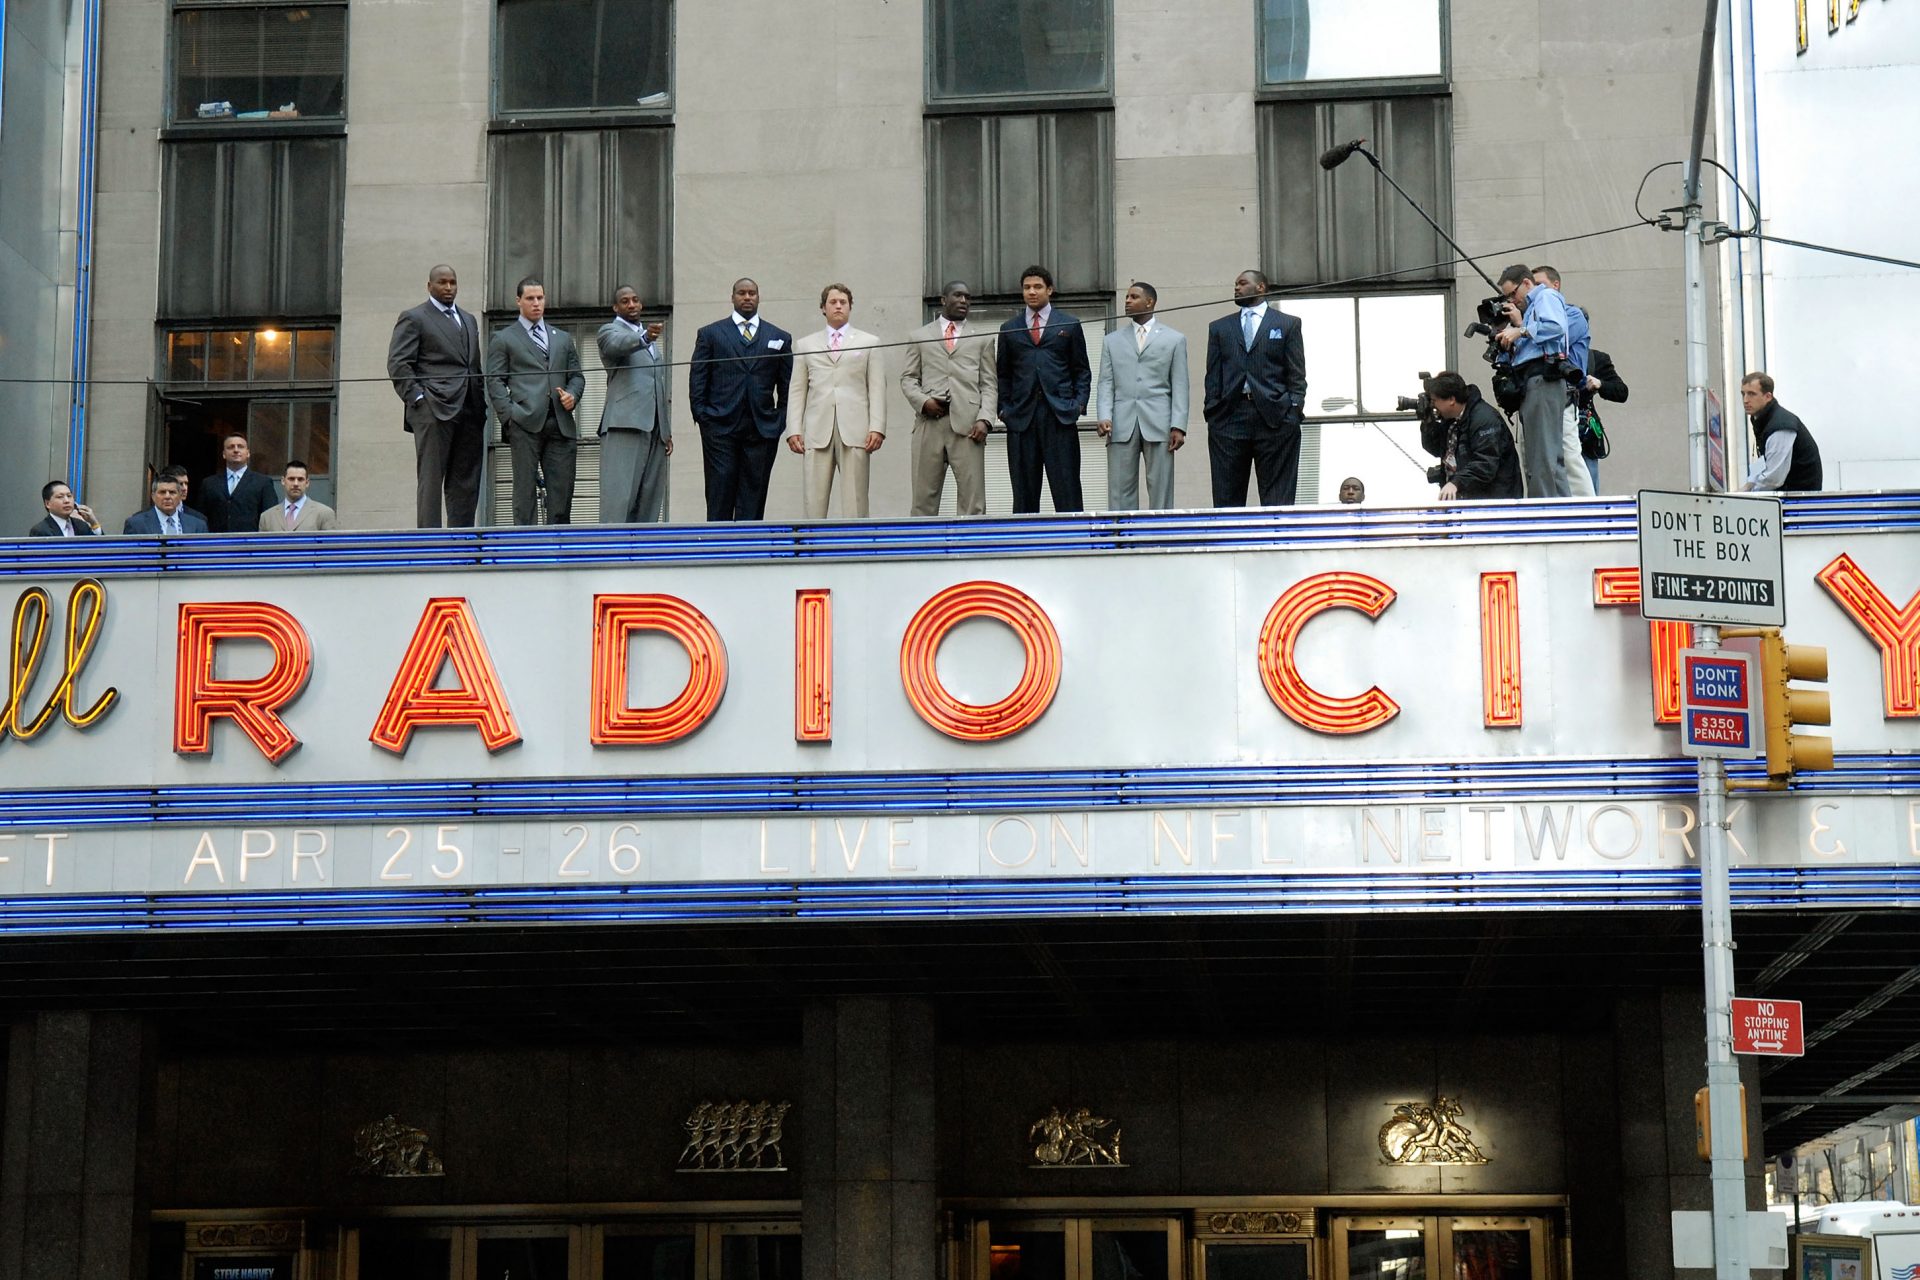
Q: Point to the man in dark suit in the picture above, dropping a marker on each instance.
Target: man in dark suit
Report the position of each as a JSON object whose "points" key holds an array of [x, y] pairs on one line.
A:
{"points": [[1044, 379], [1256, 397], [234, 499], [737, 390], [533, 381], [65, 518], [434, 361], [166, 516]]}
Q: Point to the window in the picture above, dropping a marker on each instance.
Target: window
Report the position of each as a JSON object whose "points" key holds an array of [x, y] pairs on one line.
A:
{"points": [[583, 55], [585, 210], [252, 228], [1019, 48], [246, 63], [1321, 227], [272, 384], [1006, 191], [1338, 40]]}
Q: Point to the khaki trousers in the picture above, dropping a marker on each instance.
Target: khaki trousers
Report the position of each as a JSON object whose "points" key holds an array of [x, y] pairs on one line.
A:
{"points": [[935, 448], [818, 469]]}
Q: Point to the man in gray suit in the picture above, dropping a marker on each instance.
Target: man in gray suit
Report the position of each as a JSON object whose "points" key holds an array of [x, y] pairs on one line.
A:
{"points": [[434, 361], [952, 384], [533, 381], [636, 426], [1143, 403]]}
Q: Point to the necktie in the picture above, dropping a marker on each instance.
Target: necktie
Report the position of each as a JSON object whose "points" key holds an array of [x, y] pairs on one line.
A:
{"points": [[951, 330], [1139, 337], [540, 338], [233, 481], [833, 342], [1249, 322], [452, 315], [292, 511], [1034, 329], [746, 331], [66, 530], [173, 525]]}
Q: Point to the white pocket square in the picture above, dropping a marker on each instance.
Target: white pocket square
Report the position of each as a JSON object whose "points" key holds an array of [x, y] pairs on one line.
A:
{"points": [[774, 344], [1276, 333]]}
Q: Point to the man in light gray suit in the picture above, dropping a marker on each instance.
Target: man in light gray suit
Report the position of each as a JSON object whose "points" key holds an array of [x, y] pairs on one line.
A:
{"points": [[636, 426], [1143, 403], [952, 384], [533, 382]]}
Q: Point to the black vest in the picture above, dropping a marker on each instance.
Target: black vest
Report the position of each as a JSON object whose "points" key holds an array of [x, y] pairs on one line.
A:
{"points": [[1803, 473]]}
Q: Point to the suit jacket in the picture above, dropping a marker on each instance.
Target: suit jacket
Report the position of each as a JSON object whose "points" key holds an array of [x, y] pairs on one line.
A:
{"points": [[148, 522], [238, 512], [1049, 381], [844, 391], [966, 377], [1144, 390], [1275, 370], [49, 528], [436, 368], [523, 382], [733, 382], [638, 382], [314, 516]]}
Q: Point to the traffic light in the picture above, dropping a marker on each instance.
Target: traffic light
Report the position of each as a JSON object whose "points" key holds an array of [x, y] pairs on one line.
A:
{"points": [[1784, 708]]}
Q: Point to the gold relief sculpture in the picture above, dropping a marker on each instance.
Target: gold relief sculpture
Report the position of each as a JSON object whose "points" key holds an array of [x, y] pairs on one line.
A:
{"points": [[735, 1137], [1072, 1141], [389, 1149], [245, 1235], [1288, 1222], [1423, 1134]]}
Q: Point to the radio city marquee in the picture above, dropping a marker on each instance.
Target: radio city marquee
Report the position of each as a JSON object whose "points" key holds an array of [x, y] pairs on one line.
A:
{"points": [[1250, 673]]}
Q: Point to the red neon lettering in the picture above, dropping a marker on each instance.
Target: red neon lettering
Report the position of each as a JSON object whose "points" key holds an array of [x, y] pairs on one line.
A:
{"points": [[199, 698], [615, 619], [977, 722], [1280, 637], [1616, 588], [813, 665], [447, 634], [1895, 631]]}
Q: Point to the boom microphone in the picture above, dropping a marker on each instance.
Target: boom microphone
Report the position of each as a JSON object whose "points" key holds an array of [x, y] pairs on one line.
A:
{"points": [[1337, 156]]}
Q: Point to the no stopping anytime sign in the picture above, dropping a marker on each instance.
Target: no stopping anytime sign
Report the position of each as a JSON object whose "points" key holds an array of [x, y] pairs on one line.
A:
{"points": [[1771, 1027]]}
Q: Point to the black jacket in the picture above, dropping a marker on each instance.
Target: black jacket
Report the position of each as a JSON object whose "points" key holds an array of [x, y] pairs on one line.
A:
{"points": [[1803, 472], [1476, 452], [1275, 370], [239, 512], [1600, 365]]}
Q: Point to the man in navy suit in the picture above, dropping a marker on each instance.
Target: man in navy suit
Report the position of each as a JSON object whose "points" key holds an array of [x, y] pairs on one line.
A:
{"points": [[234, 499], [1044, 380], [1256, 396], [737, 390], [166, 515]]}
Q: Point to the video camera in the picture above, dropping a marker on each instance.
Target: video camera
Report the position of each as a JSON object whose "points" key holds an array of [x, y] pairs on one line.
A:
{"points": [[1508, 393]]}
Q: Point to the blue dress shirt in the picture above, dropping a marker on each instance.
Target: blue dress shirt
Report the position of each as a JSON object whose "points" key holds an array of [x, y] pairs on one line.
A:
{"points": [[1579, 337], [1545, 321]]}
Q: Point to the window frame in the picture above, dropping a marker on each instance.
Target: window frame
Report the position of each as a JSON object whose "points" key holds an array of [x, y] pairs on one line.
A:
{"points": [[304, 126], [1016, 101], [1439, 83], [553, 118]]}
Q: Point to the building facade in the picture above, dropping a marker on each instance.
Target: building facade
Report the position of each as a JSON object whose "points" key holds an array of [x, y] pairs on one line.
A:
{"points": [[257, 252]]}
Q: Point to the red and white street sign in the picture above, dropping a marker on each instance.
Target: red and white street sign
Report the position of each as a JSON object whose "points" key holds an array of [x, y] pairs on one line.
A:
{"points": [[1772, 1027]]}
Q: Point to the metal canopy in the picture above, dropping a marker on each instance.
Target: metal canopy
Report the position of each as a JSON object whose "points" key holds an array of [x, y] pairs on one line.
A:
{"points": [[1859, 974]]}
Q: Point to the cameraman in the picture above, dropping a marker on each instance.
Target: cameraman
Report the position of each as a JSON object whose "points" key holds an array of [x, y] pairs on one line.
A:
{"points": [[1535, 342], [1580, 479], [1477, 458]]}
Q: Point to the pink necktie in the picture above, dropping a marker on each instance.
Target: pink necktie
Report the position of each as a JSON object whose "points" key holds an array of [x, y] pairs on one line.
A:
{"points": [[833, 341], [950, 333], [291, 508]]}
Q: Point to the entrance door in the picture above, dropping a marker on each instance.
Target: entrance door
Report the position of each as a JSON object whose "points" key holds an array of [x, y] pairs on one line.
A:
{"points": [[1080, 1248], [1441, 1248], [580, 1251]]}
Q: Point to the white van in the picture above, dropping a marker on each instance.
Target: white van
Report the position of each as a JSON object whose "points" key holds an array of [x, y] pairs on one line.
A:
{"points": [[1893, 1227]]}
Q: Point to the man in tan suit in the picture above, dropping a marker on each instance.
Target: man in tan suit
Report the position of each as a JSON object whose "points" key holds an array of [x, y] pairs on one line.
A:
{"points": [[297, 513], [836, 406], [951, 383]]}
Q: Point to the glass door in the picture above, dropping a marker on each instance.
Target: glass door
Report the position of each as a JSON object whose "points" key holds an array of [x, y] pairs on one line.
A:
{"points": [[1489, 1247], [1075, 1248], [740, 1250]]}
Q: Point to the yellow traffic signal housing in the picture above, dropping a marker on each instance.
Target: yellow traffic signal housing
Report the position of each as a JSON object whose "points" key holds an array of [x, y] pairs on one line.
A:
{"points": [[1784, 708], [1703, 1124]]}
